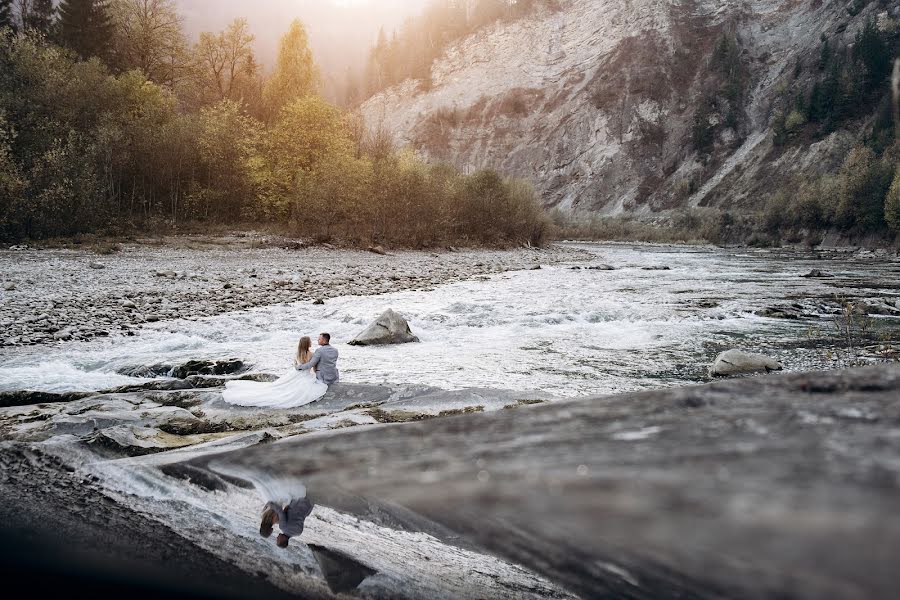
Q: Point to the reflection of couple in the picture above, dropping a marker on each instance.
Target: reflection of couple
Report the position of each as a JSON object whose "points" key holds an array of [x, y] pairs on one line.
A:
{"points": [[306, 382], [290, 519]]}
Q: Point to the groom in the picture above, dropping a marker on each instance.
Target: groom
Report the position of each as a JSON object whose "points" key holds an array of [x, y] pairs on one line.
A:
{"points": [[324, 361]]}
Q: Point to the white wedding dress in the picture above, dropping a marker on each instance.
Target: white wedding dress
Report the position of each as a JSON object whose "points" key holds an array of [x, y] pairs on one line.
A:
{"points": [[294, 388]]}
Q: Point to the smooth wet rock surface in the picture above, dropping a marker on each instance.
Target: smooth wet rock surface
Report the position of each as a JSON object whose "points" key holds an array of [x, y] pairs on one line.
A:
{"points": [[776, 486]]}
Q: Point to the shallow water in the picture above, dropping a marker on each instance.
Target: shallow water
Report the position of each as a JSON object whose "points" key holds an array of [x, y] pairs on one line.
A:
{"points": [[568, 332]]}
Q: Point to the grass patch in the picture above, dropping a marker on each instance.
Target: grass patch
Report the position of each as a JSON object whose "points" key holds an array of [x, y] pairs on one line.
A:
{"points": [[401, 416], [398, 416], [294, 419], [524, 403], [461, 411], [363, 405]]}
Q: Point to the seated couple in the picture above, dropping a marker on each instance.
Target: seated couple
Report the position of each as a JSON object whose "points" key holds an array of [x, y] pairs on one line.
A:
{"points": [[306, 382]]}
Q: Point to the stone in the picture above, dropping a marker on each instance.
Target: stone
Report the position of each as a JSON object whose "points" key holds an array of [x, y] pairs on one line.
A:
{"points": [[319, 301], [28, 398], [736, 362], [9, 287], [732, 489], [342, 573], [208, 367], [779, 312], [389, 328], [377, 250], [128, 304], [65, 334], [816, 273], [97, 266]]}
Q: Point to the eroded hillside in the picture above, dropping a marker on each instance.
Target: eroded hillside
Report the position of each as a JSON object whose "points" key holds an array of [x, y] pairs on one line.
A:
{"points": [[636, 106]]}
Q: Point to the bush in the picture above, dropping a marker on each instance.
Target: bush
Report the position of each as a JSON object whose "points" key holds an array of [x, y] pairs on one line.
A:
{"points": [[795, 121], [865, 181], [892, 204]]}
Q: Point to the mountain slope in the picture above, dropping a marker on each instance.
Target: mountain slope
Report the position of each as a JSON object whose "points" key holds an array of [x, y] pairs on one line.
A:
{"points": [[633, 106]]}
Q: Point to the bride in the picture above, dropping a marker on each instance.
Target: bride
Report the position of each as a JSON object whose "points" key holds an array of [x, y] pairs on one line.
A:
{"points": [[294, 388]]}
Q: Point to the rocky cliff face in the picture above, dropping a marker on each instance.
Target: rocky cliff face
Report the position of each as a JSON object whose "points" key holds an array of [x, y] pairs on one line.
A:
{"points": [[597, 102]]}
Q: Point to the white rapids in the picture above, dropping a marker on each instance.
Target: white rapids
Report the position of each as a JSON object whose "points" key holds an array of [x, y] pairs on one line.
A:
{"points": [[565, 331]]}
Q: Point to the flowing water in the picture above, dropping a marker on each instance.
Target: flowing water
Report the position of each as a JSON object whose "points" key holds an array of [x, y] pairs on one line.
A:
{"points": [[562, 330]]}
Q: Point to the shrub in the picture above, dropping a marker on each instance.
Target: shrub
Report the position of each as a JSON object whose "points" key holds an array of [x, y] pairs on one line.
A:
{"points": [[864, 183], [892, 204]]}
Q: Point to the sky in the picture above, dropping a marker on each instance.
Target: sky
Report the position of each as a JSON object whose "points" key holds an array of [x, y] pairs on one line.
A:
{"points": [[340, 31]]}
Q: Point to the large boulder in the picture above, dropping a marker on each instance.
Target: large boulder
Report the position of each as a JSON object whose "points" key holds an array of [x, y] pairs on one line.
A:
{"points": [[389, 328], [736, 362]]}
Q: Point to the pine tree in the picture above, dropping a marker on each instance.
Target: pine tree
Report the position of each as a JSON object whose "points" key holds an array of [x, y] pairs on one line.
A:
{"points": [[85, 26], [6, 17], [40, 16], [875, 55]]}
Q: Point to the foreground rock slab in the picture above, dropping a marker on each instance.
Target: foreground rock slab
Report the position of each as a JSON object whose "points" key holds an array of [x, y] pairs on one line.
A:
{"points": [[778, 486]]}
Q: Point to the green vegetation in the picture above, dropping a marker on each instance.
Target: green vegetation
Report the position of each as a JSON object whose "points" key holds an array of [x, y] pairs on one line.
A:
{"points": [[848, 88], [721, 105], [140, 131], [685, 226]]}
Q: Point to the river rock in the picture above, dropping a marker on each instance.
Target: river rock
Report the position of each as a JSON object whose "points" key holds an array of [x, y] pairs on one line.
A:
{"points": [[65, 334], [9, 287], [780, 312], [816, 273], [736, 362], [377, 250], [97, 266], [389, 328], [28, 398]]}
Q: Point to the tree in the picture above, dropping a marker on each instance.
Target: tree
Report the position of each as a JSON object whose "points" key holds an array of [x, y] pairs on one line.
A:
{"points": [[875, 55], [307, 132], [892, 204], [6, 15], [865, 181], [226, 62], [36, 15], [149, 37], [295, 74], [86, 27], [225, 140], [42, 16]]}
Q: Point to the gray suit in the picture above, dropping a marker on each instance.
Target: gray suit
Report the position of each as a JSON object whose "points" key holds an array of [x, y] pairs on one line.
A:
{"points": [[325, 363]]}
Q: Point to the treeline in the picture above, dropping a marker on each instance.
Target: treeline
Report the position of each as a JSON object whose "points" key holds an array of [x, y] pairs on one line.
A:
{"points": [[410, 51], [849, 86], [149, 133]]}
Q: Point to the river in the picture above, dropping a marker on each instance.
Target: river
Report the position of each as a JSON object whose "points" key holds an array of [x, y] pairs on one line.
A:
{"points": [[565, 329]]}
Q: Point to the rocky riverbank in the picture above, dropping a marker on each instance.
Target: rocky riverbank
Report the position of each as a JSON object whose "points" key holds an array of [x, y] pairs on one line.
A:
{"points": [[772, 486], [50, 296]]}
